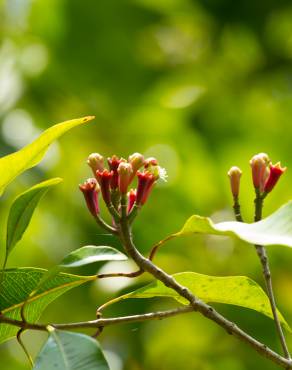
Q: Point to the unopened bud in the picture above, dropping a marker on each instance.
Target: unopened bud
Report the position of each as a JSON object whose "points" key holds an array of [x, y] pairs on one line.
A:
{"points": [[113, 163], [137, 161], [132, 199], [234, 174], [96, 162], [146, 181], [259, 164], [151, 161], [125, 172], [90, 191], [276, 172], [104, 179], [264, 178]]}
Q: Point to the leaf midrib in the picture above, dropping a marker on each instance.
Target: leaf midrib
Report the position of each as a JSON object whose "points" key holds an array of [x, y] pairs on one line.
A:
{"points": [[62, 350], [8, 248], [29, 300]]}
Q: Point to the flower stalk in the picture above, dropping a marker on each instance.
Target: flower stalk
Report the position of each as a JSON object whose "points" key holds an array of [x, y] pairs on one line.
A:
{"points": [[114, 183], [263, 256]]}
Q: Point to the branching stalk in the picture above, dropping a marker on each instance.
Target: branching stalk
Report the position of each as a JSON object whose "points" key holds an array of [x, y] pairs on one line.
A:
{"points": [[124, 232], [262, 253], [210, 313], [197, 304], [104, 225]]}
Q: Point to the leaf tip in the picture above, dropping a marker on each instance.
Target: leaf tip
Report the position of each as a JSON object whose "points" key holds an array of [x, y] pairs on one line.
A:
{"points": [[57, 180], [87, 118]]}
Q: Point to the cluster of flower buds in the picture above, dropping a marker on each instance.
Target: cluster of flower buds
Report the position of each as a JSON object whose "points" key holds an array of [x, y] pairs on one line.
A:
{"points": [[265, 175], [114, 181]]}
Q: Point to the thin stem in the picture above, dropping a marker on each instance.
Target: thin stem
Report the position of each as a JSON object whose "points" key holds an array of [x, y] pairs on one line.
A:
{"points": [[121, 274], [236, 209], [197, 304], [259, 203], [124, 205], [104, 225], [155, 248], [134, 212], [128, 319], [98, 332], [114, 212], [25, 350], [210, 313], [262, 253], [100, 322]]}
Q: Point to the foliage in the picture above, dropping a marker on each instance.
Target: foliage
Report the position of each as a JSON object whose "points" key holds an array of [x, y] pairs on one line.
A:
{"points": [[17, 284], [201, 85], [236, 290], [26, 292], [71, 351], [22, 210]]}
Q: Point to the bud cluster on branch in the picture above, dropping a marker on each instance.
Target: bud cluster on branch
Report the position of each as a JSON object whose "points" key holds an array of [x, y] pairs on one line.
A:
{"points": [[265, 175], [115, 182]]}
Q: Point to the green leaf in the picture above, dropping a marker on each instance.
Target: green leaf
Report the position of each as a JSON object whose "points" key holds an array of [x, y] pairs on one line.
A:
{"points": [[17, 284], [22, 210], [14, 164], [90, 254], [81, 257], [273, 230], [235, 290], [70, 351]]}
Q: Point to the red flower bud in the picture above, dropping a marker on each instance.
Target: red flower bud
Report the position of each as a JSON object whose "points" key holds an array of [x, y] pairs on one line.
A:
{"points": [[259, 164], [146, 181], [147, 192], [132, 199], [264, 178], [96, 162], [90, 191], [125, 172], [104, 178], [234, 173], [113, 163], [275, 173]]}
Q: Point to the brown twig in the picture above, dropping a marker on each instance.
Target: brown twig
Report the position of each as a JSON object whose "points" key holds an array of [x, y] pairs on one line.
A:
{"points": [[121, 274]]}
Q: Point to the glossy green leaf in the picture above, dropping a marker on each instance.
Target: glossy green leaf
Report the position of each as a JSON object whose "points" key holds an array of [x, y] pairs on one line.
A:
{"points": [[90, 254], [17, 284], [273, 230], [22, 210], [14, 164], [70, 351], [84, 256], [235, 290]]}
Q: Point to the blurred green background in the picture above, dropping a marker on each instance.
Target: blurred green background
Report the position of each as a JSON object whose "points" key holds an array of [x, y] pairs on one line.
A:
{"points": [[201, 85]]}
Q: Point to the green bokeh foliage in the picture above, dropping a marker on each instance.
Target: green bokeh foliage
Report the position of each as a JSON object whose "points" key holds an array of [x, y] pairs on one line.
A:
{"points": [[202, 85]]}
